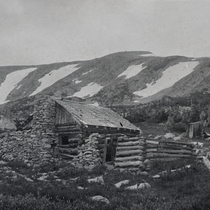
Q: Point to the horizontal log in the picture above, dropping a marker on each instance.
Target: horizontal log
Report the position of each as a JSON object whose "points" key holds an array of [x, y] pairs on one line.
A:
{"points": [[164, 159], [129, 139], [152, 142], [69, 151], [67, 156], [128, 164], [157, 155], [129, 148], [129, 169], [159, 150], [129, 152], [121, 159], [175, 147], [129, 143], [68, 145], [177, 142]]}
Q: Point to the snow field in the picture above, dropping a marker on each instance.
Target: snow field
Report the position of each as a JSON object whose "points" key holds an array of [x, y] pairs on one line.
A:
{"points": [[52, 77], [170, 76], [11, 82], [89, 90], [132, 71]]}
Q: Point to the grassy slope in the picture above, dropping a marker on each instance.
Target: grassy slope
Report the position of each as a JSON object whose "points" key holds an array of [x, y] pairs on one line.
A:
{"points": [[188, 189]]}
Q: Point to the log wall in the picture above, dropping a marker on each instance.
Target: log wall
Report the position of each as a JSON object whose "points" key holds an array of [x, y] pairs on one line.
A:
{"points": [[130, 154], [168, 150]]}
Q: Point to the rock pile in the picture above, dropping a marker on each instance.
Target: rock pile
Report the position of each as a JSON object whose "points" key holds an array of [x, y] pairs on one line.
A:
{"points": [[88, 156], [33, 146]]}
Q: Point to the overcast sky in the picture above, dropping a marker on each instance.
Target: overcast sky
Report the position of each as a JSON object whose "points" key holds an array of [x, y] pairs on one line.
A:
{"points": [[47, 31]]}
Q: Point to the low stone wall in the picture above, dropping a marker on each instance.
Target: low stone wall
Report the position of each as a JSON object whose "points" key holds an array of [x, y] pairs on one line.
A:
{"points": [[33, 146], [24, 146]]}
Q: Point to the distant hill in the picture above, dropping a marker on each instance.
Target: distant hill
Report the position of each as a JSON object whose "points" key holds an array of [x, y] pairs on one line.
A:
{"points": [[124, 78]]}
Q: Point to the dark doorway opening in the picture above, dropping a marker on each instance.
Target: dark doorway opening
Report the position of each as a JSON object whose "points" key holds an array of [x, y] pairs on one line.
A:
{"points": [[111, 149], [64, 140]]}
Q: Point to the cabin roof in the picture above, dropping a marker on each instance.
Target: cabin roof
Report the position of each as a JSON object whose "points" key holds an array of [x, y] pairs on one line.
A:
{"points": [[91, 115]]}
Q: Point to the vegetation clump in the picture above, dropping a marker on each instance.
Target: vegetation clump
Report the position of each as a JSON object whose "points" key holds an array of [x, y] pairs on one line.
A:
{"points": [[68, 188]]}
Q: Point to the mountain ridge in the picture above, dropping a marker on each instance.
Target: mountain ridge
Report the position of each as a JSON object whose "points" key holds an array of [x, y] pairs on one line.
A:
{"points": [[118, 78]]}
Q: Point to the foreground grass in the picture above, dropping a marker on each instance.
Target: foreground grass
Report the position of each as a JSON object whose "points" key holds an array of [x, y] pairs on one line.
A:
{"points": [[185, 189]]}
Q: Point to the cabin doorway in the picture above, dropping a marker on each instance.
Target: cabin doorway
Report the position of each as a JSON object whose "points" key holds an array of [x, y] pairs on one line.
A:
{"points": [[64, 140], [111, 144]]}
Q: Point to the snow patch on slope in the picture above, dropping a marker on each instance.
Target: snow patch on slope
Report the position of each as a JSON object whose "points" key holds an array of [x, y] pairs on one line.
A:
{"points": [[170, 76], [52, 77], [76, 81], [132, 71], [89, 90], [147, 55], [11, 82], [87, 72]]}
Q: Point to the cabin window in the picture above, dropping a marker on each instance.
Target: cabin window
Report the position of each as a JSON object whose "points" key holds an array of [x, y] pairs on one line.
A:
{"points": [[64, 140]]}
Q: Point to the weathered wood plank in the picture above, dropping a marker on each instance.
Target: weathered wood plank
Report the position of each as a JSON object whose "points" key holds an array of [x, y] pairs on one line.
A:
{"points": [[129, 143], [67, 155], [128, 163], [157, 155], [121, 159], [119, 148], [175, 147], [159, 150], [68, 145], [152, 142], [176, 142], [128, 139], [129, 152]]}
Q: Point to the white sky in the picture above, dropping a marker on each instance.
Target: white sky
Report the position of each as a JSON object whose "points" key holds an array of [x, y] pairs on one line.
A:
{"points": [[47, 31]]}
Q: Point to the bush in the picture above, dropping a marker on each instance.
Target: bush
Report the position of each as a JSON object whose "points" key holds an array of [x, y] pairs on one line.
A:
{"points": [[30, 202]]}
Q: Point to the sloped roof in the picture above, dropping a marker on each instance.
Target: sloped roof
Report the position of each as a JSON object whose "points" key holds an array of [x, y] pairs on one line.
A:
{"points": [[89, 114]]}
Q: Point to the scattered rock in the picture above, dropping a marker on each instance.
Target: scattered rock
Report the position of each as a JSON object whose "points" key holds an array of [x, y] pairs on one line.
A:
{"points": [[133, 187], [206, 162], [42, 178], [169, 135], [143, 173], [198, 144], [2, 162], [119, 184], [157, 176], [158, 137], [144, 186], [98, 179], [73, 179], [100, 199], [80, 188]]}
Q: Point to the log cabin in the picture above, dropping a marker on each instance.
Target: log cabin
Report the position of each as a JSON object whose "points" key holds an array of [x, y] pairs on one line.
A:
{"points": [[76, 121], [75, 131]]}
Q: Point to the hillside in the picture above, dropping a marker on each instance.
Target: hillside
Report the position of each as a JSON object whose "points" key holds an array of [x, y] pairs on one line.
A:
{"points": [[119, 78]]}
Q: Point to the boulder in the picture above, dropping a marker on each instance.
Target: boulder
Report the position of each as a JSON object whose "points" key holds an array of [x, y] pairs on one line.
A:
{"points": [[119, 184], [157, 176], [98, 179], [6, 123], [158, 137], [133, 187], [100, 199], [144, 186], [169, 135]]}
